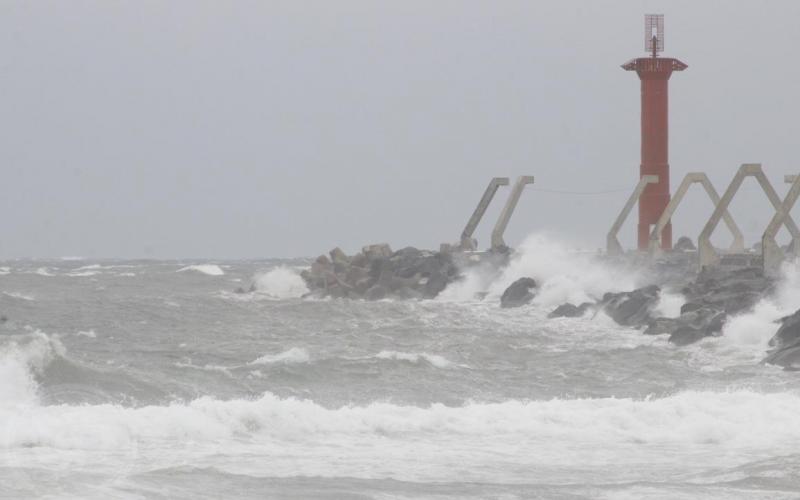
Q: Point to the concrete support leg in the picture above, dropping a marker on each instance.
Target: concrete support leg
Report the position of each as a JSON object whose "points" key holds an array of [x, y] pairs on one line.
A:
{"points": [[467, 243], [508, 211], [664, 221], [772, 253], [707, 254], [613, 246]]}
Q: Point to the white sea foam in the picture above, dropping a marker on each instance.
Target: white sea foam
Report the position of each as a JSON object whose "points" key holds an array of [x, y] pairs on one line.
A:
{"points": [[529, 433], [563, 275], [487, 440], [43, 271], [281, 283], [4, 270], [207, 367], [19, 295], [80, 274], [293, 355], [413, 357], [669, 304], [746, 336], [209, 269], [21, 358], [87, 333]]}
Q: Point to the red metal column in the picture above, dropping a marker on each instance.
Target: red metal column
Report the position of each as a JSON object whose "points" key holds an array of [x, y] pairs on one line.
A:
{"points": [[654, 73]]}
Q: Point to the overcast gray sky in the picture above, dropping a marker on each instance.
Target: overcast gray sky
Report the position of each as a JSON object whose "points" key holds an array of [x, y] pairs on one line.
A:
{"points": [[267, 129]]}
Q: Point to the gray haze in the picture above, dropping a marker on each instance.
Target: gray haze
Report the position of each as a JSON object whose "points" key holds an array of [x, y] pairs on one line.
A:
{"points": [[265, 128]]}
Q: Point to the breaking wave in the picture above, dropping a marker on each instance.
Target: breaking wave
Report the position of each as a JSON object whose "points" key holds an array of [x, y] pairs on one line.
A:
{"points": [[209, 269], [281, 283], [563, 275], [293, 355], [433, 359], [688, 425], [751, 331], [19, 295], [22, 357], [721, 421]]}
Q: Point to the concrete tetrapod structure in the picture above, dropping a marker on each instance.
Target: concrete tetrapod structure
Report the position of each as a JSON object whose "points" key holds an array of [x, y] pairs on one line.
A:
{"points": [[467, 243], [508, 210], [654, 247], [708, 255], [772, 253], [613, 246]]}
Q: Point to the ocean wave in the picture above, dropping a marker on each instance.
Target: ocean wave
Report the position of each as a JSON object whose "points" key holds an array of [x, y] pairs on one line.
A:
{"points": [[413, 357], [207, 367], [82, 274], [22, 357], [714, 420], [280, 283], [563, 275], [209, 269], [19, 295], [745, 337], [293, 355], [4, 270]]}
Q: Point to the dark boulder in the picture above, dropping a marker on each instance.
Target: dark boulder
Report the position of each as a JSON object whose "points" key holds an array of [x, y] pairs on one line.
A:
{"points": [[377, 272], [786, 343], [661, 326], [686, 335], [733, 291], [788, 333], [684, 244], [434, 284], [570, 310], [631, 308], [518, 293], [689, 327]]}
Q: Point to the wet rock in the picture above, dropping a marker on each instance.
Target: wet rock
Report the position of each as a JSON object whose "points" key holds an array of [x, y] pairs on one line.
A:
{"points": [[733, 291], [570, 310], [338, 256], [518, 293], [241, 290], [434, 284], [684, 244], [786, 343], [377, 251], [686, 335], [788, 333], [377, 272], [661, 326], [631, 308]]}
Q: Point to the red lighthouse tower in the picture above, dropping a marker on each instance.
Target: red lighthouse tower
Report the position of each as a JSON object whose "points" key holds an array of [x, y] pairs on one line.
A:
{"points": [[654, 72]]}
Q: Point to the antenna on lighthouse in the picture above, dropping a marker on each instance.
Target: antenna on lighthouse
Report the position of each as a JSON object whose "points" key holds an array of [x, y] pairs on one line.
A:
{"points": [[654, 33]]}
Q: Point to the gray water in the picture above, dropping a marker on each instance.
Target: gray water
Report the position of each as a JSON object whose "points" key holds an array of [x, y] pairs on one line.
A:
{"points": [[142, 380]]}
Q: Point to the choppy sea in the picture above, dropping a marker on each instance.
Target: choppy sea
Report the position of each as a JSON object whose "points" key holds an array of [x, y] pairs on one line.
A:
{"points": [[153, 379]]}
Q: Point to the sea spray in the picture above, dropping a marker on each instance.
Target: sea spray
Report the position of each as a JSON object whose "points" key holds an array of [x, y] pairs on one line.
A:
{"points": [[564, 275], [752, 330], [280, 283], [22, 357], [208, 269], [292, 355]]}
